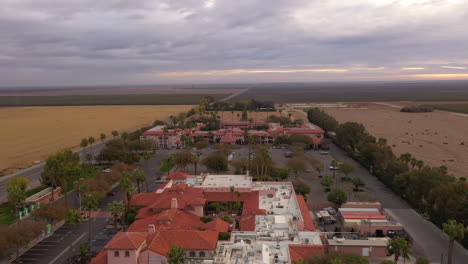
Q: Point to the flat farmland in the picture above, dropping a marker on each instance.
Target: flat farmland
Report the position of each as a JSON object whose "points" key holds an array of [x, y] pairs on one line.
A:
{"points": [[29, 134], [437, 138]]}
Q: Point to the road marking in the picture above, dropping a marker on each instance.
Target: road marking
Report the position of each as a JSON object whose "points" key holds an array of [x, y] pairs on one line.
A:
{"points": [[67, 248]]}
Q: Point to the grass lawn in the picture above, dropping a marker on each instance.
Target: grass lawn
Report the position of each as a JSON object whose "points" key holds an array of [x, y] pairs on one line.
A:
{"points": [[7, 215]]}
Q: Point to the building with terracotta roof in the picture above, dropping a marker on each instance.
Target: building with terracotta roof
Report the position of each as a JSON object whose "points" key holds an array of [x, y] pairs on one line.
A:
{"points": [[233, 133], [274, 224]]}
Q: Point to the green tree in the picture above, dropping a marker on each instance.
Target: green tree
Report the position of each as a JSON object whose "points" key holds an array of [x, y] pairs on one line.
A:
{"points": [[301, 187], [167, 164], [419, 164], [91, 141], [182, 159], [115, 133], [139, 177], [357, 182], [90, 203], [400, 248], [327, 182], [176, 255], [85, 252], [347, 168], [216, 162], [102, 137], [337, 196], [117, 210], [73, 217], [297, 164], [16, 189], [387, 261], [84, 144], [455, 231], [406, 158], [127, 187]]}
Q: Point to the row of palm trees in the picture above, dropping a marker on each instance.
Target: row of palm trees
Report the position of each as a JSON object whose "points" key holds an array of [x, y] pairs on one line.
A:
{"points": [[408, 159]]}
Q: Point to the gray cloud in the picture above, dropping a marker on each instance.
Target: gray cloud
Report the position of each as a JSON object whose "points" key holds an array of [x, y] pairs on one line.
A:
{"points": [[50, 41]]}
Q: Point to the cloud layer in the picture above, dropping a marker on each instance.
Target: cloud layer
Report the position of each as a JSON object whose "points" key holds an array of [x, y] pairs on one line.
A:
{"points": [[84, 42]]}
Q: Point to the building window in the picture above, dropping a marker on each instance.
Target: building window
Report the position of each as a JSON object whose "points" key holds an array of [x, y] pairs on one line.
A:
{"points": [[116, 254], [202, 254], [192, 254], [127, 254]]}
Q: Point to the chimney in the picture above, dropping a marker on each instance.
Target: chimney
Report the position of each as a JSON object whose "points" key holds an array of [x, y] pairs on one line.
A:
{"points": [[174, 204], [151, 229]]}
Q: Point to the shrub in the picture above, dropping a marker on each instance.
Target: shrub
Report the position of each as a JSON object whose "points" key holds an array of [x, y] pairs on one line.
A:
{"points": [[206, 219], [224, 236], [337, 196], [226, 219], [417, 109]]}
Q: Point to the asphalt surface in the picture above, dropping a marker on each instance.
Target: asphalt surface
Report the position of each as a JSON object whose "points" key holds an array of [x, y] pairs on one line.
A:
{"points": [[428, 240]]}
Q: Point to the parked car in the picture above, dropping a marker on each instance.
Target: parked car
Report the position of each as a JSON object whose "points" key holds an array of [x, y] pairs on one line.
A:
{"points": [[197, 153], [111, 193], [288, 154], [323, 152], [107, 170]]}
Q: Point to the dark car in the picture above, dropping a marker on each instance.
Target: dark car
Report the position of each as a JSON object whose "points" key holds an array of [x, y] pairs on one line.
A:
{"points": [[111, 193]]}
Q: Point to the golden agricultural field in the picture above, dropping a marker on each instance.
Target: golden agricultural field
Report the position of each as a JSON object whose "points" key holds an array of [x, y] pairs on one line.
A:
{"points": [[30, 134], [438, 138]]}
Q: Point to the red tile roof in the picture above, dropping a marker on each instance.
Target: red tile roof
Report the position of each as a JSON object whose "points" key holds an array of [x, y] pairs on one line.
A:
{"points": [[186, 198], [143, 199], [217, 225], [247, 223], [174, 219], [308, 223], [127, 240], [228, 139], [100, 258], [303, 252], [188, 240]]}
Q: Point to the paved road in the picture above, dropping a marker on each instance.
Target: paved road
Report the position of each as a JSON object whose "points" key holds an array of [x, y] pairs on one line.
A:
{"points": [[428, 240]]}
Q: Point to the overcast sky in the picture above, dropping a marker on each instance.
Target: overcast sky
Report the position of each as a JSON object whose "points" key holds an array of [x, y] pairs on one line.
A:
{"points": [[95, 42]]}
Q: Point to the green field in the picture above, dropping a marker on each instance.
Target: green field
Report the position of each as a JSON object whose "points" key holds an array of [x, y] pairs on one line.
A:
{"points": [[125, 99], [358, 92], [459, 108]]}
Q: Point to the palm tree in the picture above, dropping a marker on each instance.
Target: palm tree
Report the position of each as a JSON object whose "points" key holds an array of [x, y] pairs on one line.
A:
{"points": [[90, 203], [419, 164], [81, 188], [115, 133], [117, 209], [455, 231], [127, 187], [413, 162], [73, 217], [84, 144], [400, 248], [195, 162], [103, 137], [406, 157], [139, 177], [176, 255], [172, 120]]}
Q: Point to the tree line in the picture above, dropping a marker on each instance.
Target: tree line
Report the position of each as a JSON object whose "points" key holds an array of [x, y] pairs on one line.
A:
{"points": [[430, 190]]}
